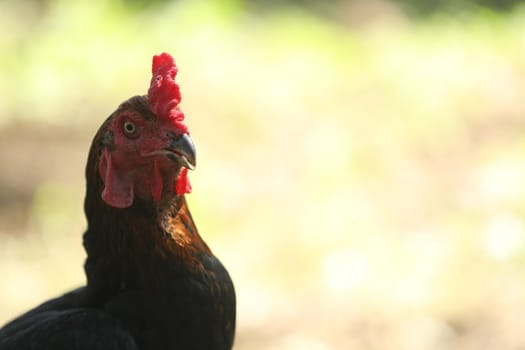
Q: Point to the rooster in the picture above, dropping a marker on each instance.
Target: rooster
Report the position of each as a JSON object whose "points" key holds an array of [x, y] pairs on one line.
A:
{"points": [[152, 282]]}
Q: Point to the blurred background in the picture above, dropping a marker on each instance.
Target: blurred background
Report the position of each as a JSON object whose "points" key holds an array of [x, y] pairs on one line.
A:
{"points": [[361, 162]]}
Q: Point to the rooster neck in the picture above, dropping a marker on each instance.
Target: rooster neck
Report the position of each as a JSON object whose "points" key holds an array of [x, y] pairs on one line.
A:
{"points": [[141, 246]]}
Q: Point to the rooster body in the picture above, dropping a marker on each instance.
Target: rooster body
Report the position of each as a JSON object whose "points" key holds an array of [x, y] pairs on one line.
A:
{"points": [[152, 282]]}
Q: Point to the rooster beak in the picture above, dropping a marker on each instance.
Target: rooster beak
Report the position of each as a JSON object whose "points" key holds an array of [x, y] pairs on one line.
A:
{"points": [[182, 150]]}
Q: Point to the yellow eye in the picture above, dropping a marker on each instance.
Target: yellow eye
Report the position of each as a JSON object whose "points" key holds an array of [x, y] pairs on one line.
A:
{"points": [[130, 129]]}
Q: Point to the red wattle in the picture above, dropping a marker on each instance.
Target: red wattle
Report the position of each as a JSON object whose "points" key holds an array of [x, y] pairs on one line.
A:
{"points": [[156, 184], [183, 185]]}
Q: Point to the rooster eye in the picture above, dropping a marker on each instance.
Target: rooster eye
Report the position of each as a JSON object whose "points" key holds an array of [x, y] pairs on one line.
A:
{"points": [[130, 129]]}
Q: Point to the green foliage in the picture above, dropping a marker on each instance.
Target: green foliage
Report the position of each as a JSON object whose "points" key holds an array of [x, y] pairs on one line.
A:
{"points": [[428, 7]]}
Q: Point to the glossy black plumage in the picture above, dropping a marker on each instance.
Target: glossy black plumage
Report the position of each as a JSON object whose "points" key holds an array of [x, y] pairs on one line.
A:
{"points": [[152, 282]]}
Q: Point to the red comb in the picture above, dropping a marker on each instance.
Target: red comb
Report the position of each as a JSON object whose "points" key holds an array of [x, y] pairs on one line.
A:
{"points": [[164, 93], [164, 98]]}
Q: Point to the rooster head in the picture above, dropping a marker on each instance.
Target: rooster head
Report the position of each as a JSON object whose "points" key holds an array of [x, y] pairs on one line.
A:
{"points": [[147, 150]]}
